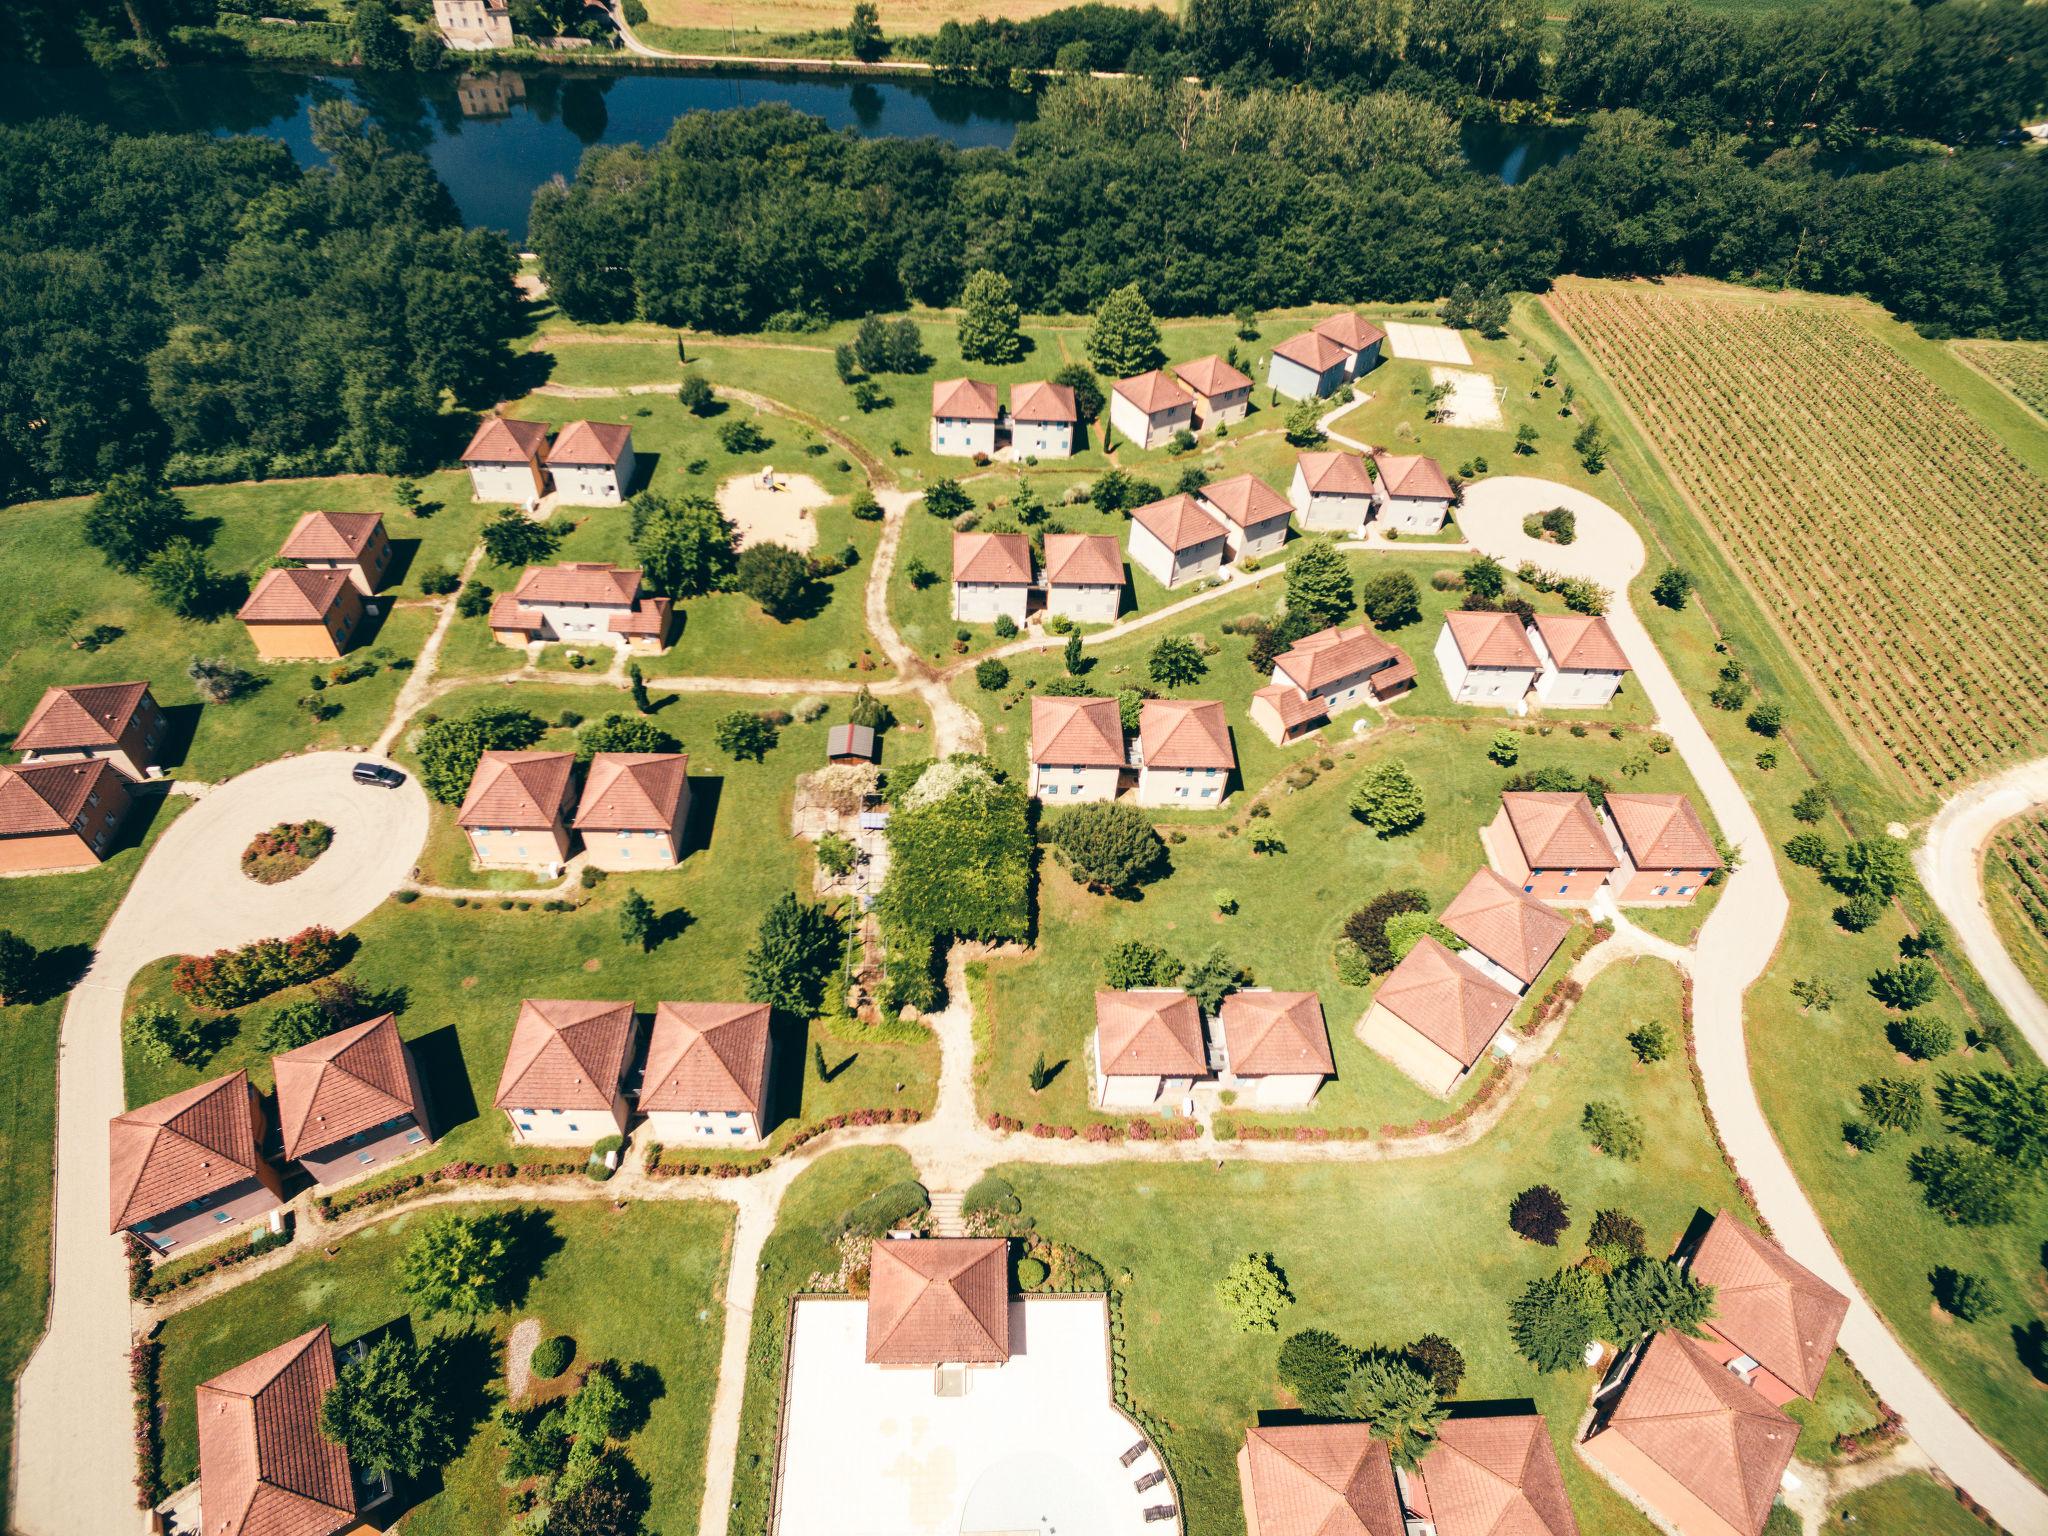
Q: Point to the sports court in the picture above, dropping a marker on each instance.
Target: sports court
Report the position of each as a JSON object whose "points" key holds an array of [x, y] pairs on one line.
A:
{"points": [[1427, 343]]}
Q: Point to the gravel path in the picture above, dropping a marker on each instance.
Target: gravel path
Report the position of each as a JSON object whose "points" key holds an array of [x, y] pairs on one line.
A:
{"points": [[519, 1347]]}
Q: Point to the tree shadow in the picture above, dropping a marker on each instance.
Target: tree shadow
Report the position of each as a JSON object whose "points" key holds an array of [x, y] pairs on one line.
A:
{"points": [[1053, 1069], [2030, 1343], [531, 1240], [444, 1079], [672, 924], [644, 1387], [56, 972]]}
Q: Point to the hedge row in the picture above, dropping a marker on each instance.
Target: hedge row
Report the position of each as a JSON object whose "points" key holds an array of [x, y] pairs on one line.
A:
{"points": [[148, 1280]]}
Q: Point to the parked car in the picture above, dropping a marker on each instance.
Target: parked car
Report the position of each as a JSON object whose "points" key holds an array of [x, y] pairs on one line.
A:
{"points": [[378, 774]]}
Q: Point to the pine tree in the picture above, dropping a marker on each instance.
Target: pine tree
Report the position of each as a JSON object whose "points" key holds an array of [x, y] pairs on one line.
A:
{"points": [[638, 685], [989, 320], [1319, 586], [636, 920], [1072, 655], [1123, 338]]}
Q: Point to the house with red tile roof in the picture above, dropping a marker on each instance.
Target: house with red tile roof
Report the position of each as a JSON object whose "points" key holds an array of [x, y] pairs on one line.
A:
{"points": [[61, 815], [1254, 515], [1178, 540], [350, 1102], [191, 1166], [1147, 1045], [1434, 1016], [1308, 367], [1490, 1475], [583, 602], [120, 722], [265, 1466], [1317, 1480], [1688, 1442], [1184, 753], [1509, 935], [1077, 750], [1149, 409], [1664, 855], [1044, 421], [1222, 394], [302, 615], [507, 461], [1276, 1047], [1582, 664], [353, 543], [1553, 845], [564, 1082], [1326, 674], [1331, 492], [938, 1301], [591, 464], [1357, 336], [965, 417], [1775, 1321], [1411, 493], [706, 1079], [633, 809], [1486, 659], [991, 577], [1084, 577], [516, 813]]}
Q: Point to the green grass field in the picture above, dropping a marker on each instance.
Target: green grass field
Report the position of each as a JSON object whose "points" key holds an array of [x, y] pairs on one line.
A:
{"points": [[1912, 1504]]}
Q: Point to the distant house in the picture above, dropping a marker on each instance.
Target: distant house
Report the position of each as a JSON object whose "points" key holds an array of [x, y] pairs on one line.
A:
{"points": [[116, 721], [350, 542], [350, 1101], [1410, 494], [1509, 935], [471, 26], [187, 1167], [965, 417], [1178, 540], [1317, 1480], [592, 464], [1147, 1046], [1486, 658], [1490, 1474], [991, 577], [707, 1073], [564, 1082], [1044, 421], [1332, 492], [1184, 753], [1276, 1047], [507, 460], [1775, 1321], [1077, 750], [1690, 1442], [582, 602], [516, 813], [633, 809], [1324, 675], [1307, 367], [266, 1468], [936, 1301], [1550, 844], [1222, 394], [1084, 577], [1359, 338], [1581, 662], [1664, 853], [1254, 515], [850, 744], [1150, 408], [61, 815], [301, 615], [1434, 1016]]}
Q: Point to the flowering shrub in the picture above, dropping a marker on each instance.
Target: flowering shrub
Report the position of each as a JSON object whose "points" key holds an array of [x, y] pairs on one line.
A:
{"points": [[285, 850], [147, 1281], [229, 978], [143, 1360], [333, 1207], [802, 1136]]}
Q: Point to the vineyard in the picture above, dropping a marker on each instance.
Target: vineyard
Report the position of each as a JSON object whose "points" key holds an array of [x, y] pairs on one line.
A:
{"points": [[2018, 367], [2018, 867], [1897, 543]]}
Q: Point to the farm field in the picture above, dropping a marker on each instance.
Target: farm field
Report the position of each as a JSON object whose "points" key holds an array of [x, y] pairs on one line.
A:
{"points": [[2016, 891], [773, 16], [1883, 524], [2018, 367]]}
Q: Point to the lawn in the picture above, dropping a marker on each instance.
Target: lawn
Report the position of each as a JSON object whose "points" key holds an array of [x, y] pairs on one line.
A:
{"points": [[1842, 1406], [1384, 1252], [1911, 1504], [640, 1286]]}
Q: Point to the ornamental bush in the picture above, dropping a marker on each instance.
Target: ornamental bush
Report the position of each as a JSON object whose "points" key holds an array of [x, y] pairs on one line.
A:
{"points": [[1923, 1039], [1539, 1213], [1962, 1295], [551, 1356], [1253, 1291], [230, 978], [1315, 1365], [1030, 1274], [1612, 1129]]}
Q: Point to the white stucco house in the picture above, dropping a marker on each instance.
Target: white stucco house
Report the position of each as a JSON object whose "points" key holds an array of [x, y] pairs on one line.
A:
{"points": [[1325, 675], [1486, 659], [1254, 515], [1178, 540], [1044, 421], [582, 602], [507, 461], [965, 417], [471, 26], [1307, 367], [1077, 750], [1359, 338], [1150, 408], [1582, 663], [1223, 394], [564, 1080], [1148, 1045], [991, 577], [1509, 935], [591, 464], [1084, 577], [1276, 1047], [1411, 493], [1331, 492], [1184, 754], [706, 1079]]}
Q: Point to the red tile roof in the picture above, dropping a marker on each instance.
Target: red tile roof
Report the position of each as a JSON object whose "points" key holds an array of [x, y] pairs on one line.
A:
{"points": [[592, 443], [1247, 500], [1334, 473], [565, 1055], [1083, 560], [517, 789], [709, 1056], [1773, 1309], [1318, 1480], [1184, 733], [265, 1469], [1581, 642], [1276, 1034], [1412, 474], [1350, 331], [965, 400], [632, 791], [1490, 639], [1210, 376], [1154, 392], [1043, 402], [1445, 1001], [1493, 1475], [1329, 656], [939, 1300], [41, 798], [502, 440], [1179, 522], [1088, 733], [1662, 832], [80, 715], [352, 1080], [578, 581], [332, 536], [648, 616], [1003, 558], [1557, 830], [1313, 351], [1511, 928], [288, 595], [193, 1143], [1291, 704], [1155, 1032]]}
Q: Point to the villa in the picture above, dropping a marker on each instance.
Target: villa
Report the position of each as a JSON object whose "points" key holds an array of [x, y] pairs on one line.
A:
{"points": [[471, 26], [1553, 845], [1077, 750], [1664, 854], [1509, 935], [1317, 1480], [1331, 492], [965, 418], [591, 464], [991, 577], [350, 1101], [1084, 577], [61, 815], [507, 460], [516, 813], [633, 809], [1434, 1016], [266, 1468], [1582, 663], [351, 542], [1222, 394], [1486, 658], [186, 1168], [1178, 540], [1489, 1474], [1276, 1047], [302, 615], [1325, 674], [120, 722], [1184, 753], [1410, 493], [1254, 515], [564, 1082], [1775, 1321], [707, 1073], [582, 602], [1147, 1046], [1308, 367], [1044, 421], [1150, 408], [1359, 338]]}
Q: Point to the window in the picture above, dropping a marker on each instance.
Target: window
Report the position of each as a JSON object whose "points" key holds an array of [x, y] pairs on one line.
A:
{"points": [[1562, 889], [525, 1127], [1528, 890], [1685, 890], [221, 1218], [1208, 794], [732, 1114], [415, 1136], [1662, 890], [366, 1158]]}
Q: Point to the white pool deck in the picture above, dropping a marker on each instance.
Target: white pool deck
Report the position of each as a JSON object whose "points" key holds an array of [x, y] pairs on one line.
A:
{"points": [[1030, 1448]]}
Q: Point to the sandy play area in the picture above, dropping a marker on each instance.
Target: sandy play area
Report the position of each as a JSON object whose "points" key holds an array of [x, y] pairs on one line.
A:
{"points": [[1472, 401], [778, 516], [1427, 343]]}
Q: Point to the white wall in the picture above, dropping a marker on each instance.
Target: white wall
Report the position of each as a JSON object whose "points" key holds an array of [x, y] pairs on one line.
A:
{"points": [[979, 602], [1147, 431], [1153, 557], [503, 482], [1570, 690], [591, 485], [687, 1130], [1327, 513], [1227, 408], [1294, 382], [564, 1127], [1265, 538], [961, 438], [1085, 605], [1504, 686], [1196, 788], [1068, 784], [1042, 439], [1285, 1091], [632, 850], [1491, 971], [1410, 514]]}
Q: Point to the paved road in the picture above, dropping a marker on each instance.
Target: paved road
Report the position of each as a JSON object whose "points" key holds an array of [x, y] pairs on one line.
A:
{"points": [[74, 1455]]}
